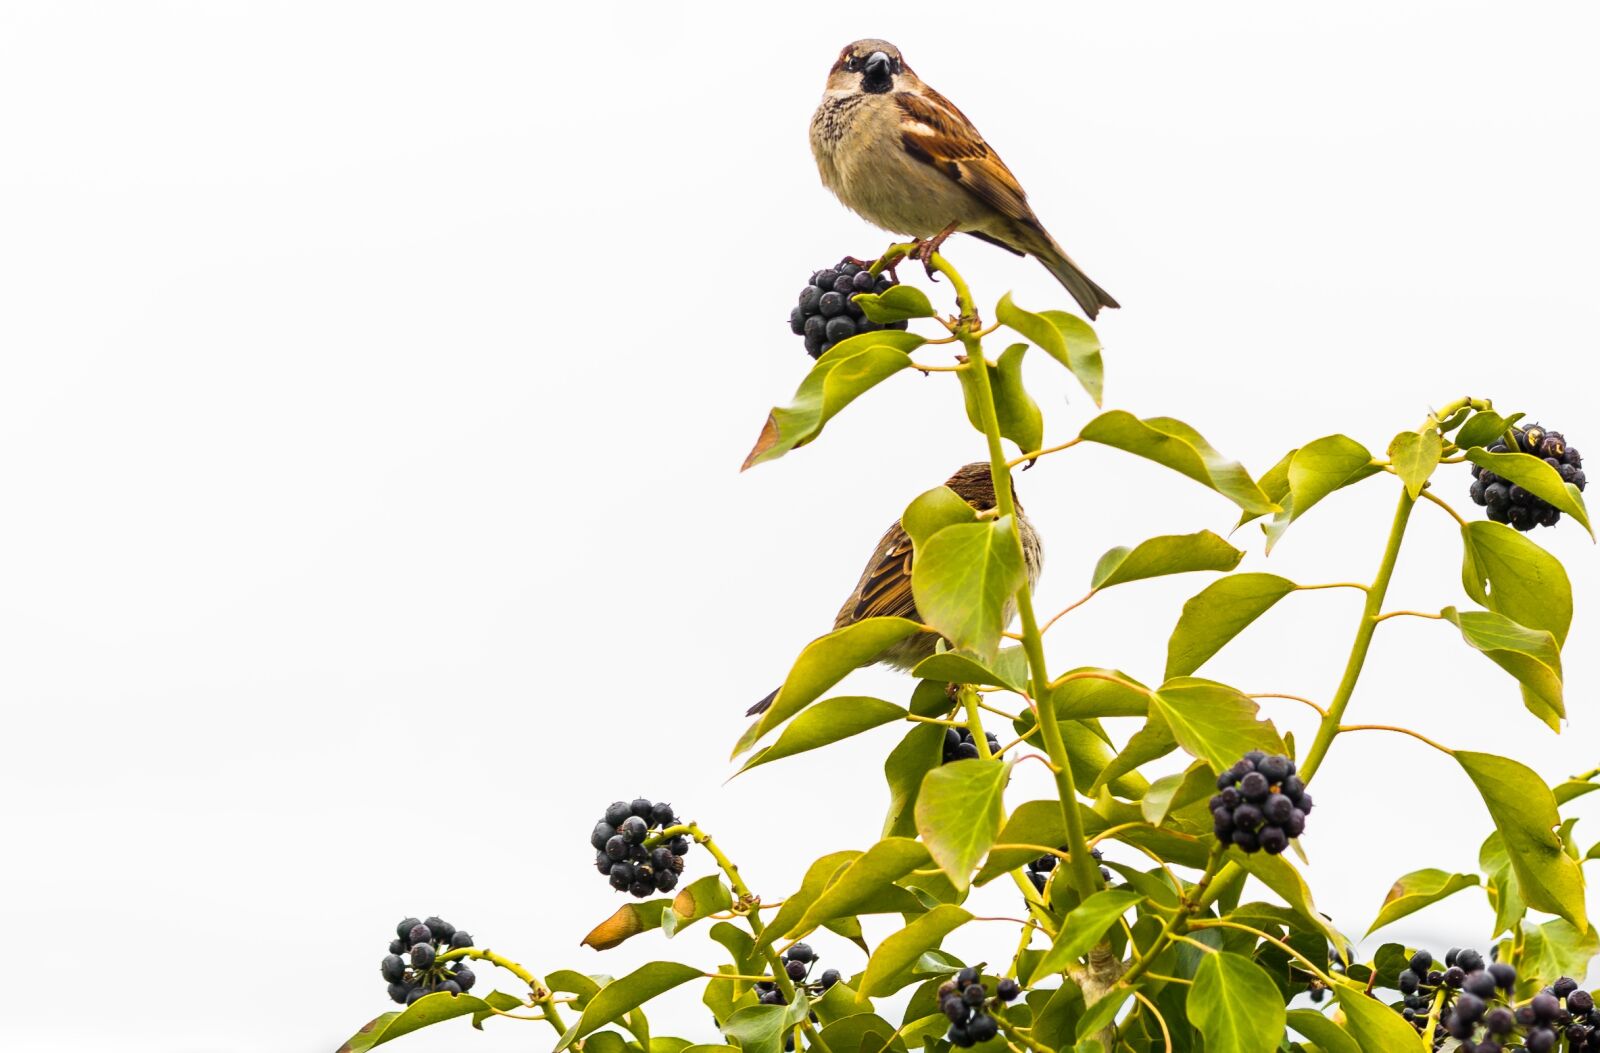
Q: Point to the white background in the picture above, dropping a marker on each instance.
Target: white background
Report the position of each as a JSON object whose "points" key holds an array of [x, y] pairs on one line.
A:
{"points": [[374, 380]]}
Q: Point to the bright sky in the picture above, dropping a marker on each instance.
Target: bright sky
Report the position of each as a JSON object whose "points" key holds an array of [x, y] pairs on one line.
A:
{"points": [[373, 384]]}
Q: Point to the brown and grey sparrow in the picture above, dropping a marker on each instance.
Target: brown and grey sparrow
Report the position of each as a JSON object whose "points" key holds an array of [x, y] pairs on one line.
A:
{"points": [[904, 158], [884, 590]]}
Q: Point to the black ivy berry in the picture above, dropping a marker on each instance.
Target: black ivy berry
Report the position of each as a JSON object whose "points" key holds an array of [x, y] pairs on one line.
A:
{"points": [[629, 864], [428, 972], [1509, 503], [828, 979], [1261, 805], [825, 312], [963, 1000], [959, 745], [1038, 870]]}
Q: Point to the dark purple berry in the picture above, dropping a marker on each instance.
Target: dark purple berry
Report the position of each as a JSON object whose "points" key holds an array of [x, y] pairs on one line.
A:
{"points": [[393, 969], [421, 955], [617, 811]]}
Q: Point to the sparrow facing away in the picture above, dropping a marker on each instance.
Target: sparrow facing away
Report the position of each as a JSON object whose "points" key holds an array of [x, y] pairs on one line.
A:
{"points": [[884, 590], [903, 157]]}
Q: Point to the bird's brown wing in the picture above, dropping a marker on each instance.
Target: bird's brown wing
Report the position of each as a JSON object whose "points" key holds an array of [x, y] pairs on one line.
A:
{"points": [[884, 590], [933, 131]]}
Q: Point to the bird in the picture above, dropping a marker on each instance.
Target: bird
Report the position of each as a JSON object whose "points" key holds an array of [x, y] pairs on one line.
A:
{"points": [[903, 157], [884, 590]]}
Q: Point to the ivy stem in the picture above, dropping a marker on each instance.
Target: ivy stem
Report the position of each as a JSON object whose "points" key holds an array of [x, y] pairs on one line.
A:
{"points": [[1329, 728], [1180, 919], [540, 994], [1433, 1018], [1085, 879], [1399, 731]]}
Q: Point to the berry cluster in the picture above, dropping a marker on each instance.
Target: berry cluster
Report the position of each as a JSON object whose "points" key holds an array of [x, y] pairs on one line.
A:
{"points": [[622, 855], [963, 1000], [1478, 1006], [1509, 503], [959, 745], [827, 312], [1263, 803], [797, 963], [1038, 870], [424, 942]]}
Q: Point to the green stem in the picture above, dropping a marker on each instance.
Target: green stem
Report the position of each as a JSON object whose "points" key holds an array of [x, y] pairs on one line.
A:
{"points": [[542, 995], [752, 917], [1180, 920], [1085, 877], [1329, 728]]}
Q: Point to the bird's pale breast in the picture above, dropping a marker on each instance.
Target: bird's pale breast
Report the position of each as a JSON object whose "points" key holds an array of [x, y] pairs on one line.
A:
{"points": [[860, 155]]}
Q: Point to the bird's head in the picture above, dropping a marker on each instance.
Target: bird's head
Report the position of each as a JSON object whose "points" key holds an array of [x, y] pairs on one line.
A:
{"points": [[976, 486], [871, 66]]}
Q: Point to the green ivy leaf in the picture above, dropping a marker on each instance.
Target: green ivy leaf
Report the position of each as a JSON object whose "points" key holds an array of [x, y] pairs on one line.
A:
{"points": [[958, 814], [963, 580], [866, 885], [1274, 483], [1100, 1014], [819, 875], [1083, 927], [1330, 1037], [1530, 655], [932, 511], [1538, 478], [1008, 670], [1171, 793], [827, 722], [824, 662], [761, 1028], [845, 371], [1153, 740], [1169, 554], [1083, 350], [1280, 875], [1524, 812], [1214, 722], [896, 954], [1418, 889], [1090, 696], [1373, 1024], [429, 1009], [1032, 823], [1235, 1005], [1318, 469], [918, 753], [1218, 613], [898, 303], [1415, 455], [1485, 429], [699, 899], [1065, 338], [863, 1033], [1557, 948], [625, 994], [498, 1000], [630, 920], [1512, 575], [1500, 883], [742, 946], [1015, 411], [1174, 444]]}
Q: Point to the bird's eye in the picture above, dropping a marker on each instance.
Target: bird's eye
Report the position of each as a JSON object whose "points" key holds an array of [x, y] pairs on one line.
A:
{"points": [[853, 65]]}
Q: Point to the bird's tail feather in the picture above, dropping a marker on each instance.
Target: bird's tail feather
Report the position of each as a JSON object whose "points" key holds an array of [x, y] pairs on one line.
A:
{"points": [[1090, 296], [763, 705]]}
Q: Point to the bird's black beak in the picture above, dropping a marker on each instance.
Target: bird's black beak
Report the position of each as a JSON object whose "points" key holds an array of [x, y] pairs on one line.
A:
{"points": [[878, 75]]}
